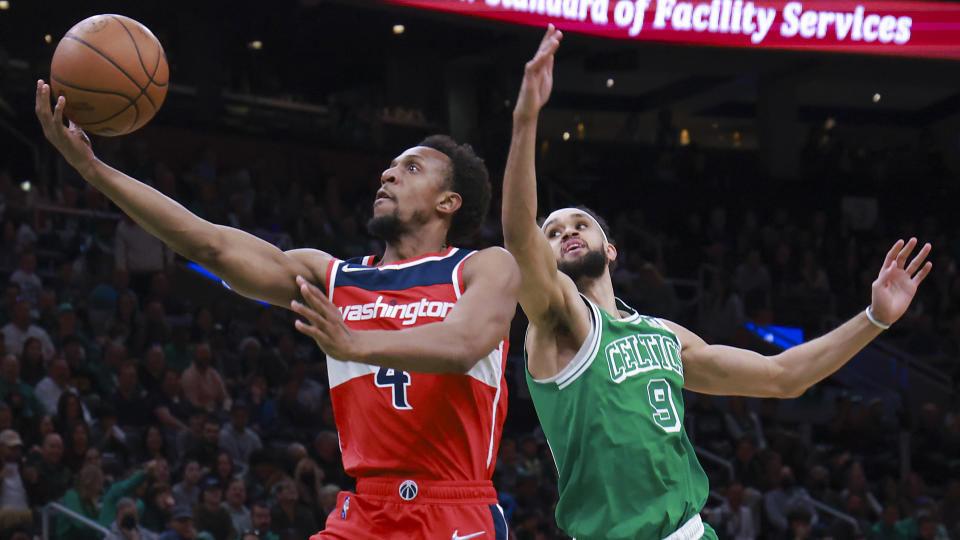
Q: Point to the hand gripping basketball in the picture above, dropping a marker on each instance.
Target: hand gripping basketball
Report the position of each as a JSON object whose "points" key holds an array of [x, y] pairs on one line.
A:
{"points": [[69, 139]]}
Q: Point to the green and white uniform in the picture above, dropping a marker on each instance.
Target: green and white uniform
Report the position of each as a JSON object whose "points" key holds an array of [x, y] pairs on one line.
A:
{"points": [[614, 420]]}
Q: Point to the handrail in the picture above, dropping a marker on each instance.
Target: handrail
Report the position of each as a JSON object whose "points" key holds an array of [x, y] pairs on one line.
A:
{"points": [[53, 507], [837, 514], [710, 456]]}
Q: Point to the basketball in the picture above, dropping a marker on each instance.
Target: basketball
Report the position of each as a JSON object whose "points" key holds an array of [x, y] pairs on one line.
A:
{"points": [[113, 73]]}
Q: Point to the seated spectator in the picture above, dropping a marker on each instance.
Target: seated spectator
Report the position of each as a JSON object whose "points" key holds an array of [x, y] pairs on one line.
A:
{"points": [[260, 519], [152, 370], [208, 447], [181, 525], [126, 526], [69, 411], [209, 516], [225, 469], [157, 507], [169, 407], [785, 498], [56, 382], [14, 502], [128, 399], [154, 444], [82, 499], [328, 502], [202, 385], [234, 504], [288, 516], [732, 519], [800, 525], [236, 438], [76, 443], [890, 527], [125, 488], [47, 478], [187, 491], [12, 385], [742, 422], [82, 376], [309, 479], [32, 362], [191, 437], [21, 327]]}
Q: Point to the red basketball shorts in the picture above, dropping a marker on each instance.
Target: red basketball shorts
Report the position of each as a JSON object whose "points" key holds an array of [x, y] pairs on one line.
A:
{"points": [[399, 509]]}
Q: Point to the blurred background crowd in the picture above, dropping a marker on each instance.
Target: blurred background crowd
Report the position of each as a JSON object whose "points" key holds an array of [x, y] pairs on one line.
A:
{"points": [[137, 392]]}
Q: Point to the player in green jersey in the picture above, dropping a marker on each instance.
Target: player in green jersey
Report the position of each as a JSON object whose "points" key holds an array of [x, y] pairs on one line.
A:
{"points": [[606, 381]]}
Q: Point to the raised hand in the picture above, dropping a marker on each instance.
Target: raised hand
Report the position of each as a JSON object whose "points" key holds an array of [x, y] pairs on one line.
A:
{"points": [[538, 76], [897, 283], [324, 323], [69, 140]]}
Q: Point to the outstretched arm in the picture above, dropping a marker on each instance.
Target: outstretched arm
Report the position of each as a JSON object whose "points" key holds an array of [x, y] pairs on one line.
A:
{"points": [[251, 266], [476, 324], [722, 370], [541, 290]]}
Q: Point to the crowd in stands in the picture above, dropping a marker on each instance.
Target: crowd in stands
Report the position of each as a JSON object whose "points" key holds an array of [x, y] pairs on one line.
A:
{"points": [[159, 412]]}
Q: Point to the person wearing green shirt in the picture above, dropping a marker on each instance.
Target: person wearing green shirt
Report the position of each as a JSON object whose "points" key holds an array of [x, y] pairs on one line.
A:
{"points": [[83, 500], [606, 381]]}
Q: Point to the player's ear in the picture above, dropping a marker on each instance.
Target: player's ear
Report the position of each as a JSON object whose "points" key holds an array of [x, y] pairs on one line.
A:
{"points": [[611, 252], [449, 203]]}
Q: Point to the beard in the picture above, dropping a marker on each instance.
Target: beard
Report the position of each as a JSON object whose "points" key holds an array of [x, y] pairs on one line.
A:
{"points": [[387, 228], [589, 266]]}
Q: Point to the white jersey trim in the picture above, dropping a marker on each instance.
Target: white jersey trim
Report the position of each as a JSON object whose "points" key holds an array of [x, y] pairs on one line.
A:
{"points": [[496, 398], [584, 356], [455, 280]]}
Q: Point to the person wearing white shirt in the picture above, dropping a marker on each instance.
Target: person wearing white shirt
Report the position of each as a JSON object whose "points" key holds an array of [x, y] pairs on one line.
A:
{"points": [[16, 332]]}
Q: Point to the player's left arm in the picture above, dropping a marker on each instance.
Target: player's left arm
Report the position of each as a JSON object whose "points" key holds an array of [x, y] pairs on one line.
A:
{"points": [[723, 370], [474, 327]]}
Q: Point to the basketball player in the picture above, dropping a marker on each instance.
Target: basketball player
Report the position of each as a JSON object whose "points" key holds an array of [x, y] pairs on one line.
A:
{"points": [[606, 381], [419, 411]]}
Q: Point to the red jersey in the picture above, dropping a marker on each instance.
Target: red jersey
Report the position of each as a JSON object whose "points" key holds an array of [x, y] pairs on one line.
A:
{"points": [[414, 425]]}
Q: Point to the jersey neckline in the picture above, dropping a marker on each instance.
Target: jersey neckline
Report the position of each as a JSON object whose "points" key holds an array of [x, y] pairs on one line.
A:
{"points": [[442, 254]]}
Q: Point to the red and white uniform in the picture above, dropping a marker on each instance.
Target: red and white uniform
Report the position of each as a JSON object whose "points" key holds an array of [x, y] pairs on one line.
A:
{"points": [[435, 435]]}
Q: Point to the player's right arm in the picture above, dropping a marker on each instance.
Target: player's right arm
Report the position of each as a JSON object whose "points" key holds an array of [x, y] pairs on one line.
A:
{"points": [[542, 287], [251, 266]]}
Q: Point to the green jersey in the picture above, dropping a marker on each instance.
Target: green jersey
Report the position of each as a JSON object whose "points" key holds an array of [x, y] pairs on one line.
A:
{"points": [[614, 420]]}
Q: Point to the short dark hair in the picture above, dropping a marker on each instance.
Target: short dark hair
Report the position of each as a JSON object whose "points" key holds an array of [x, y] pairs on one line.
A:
{"points": [[469, 178]]}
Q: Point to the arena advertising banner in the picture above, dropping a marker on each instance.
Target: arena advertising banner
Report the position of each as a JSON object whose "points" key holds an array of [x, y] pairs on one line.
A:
{"points": [[924, 29]]}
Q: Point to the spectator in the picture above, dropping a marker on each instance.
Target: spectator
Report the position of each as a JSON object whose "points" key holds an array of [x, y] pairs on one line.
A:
{"points": [[263, 409], [236, 438], [82, 499], [82, 377], [152, 369], [14, 503], [234, 504], [857, 485], [722, 313], [123, 489], [260, 519], [191, 437], [742, 422], [12, 385], [801, 526], [181, 525], [157, 507], [187, 491], [128, 400], [288, 515], [786, 498], [126, 526], [21, 327], [208, 447], [309, 480], [56, 382], [210, 516], [27, 279], [47, 478], [225, 469], [328, 502], [202, 385], [732, 519], [752, 280], [67, 325], [126, 324], [32, 363], [154, 444], [76, 442], [69, 410], [890, 527], [139, 253], [169, 407]]}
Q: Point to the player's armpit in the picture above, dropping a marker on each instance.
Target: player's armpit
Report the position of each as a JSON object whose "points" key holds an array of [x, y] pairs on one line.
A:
{"points": [[257, 269], [723, 370]]}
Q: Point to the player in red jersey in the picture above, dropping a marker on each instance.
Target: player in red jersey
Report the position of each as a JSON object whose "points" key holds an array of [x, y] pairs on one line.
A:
{"points": [[419, 410]]}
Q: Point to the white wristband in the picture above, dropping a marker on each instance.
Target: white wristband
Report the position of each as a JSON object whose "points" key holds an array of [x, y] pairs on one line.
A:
{"points": [[875, 322]]}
